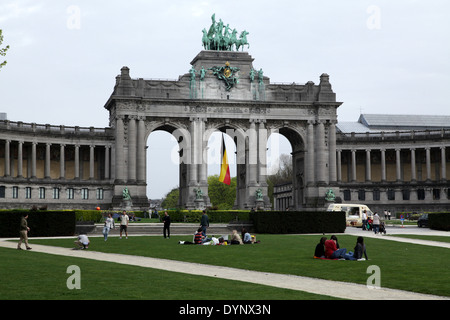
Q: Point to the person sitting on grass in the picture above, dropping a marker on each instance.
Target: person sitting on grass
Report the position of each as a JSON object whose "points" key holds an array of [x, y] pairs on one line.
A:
{"points": [[320, 248], [332, 251], [360, 249]]}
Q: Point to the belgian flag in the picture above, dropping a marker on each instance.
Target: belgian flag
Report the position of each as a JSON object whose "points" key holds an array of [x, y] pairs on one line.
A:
{"points": [[225, 168]]}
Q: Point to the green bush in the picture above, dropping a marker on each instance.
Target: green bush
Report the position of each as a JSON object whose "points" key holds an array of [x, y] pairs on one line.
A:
{"points": [[41, 223], [439, 221], [214, 216], [277, 222], [89, 215]]}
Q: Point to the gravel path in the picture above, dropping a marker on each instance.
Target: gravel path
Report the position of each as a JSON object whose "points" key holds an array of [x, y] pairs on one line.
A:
{"points": [[324, 287]]}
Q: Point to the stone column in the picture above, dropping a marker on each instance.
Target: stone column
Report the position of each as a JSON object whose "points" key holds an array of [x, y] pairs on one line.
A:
{"points": [[428, 161], [353, 165], [339, 166], [62, 165], [193, 179], [141, 150], [413, 165], [7, 158], [33, 159], [398, 170], [202, 153], [252, 154], [368, 167], [77, 162], [47, 161], [443, 165], [20, 160], [321, 156], [107, 149], [91, 162], [332, 152], [119, 151], [262, 154], [383, 165], [310, 167], [131, 148]]}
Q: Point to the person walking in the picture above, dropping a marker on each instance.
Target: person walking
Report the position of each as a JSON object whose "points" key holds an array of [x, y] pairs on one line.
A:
{"points": [[24, 229], [124, 224], [204, 222], [109, 224], [364, 220], [166, 220]]}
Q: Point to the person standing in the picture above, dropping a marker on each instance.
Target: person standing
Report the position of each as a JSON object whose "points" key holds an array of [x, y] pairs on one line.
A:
{"points": [[166, 220], [204, 222], [24, 233], [364, 220], [109, 224], [124, 224], [376, 223]]}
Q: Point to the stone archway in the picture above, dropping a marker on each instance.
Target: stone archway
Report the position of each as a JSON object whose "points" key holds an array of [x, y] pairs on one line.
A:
{"points": [[193, 107]]}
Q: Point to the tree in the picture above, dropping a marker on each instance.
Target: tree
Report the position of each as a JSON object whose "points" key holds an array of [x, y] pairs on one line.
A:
{"points": [[283, 175], [2, 50], [171, 199], [221, 195]]}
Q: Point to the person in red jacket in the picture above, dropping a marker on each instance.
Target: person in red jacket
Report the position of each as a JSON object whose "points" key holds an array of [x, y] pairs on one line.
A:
{"points": [[332, 250]]}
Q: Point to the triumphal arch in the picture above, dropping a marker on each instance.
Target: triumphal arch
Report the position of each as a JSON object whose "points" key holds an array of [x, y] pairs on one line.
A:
{"points": [[224, 91]]}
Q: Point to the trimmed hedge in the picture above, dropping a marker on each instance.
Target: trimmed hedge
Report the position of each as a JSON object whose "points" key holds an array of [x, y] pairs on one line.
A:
{"points": [[41, 223], [298, 222], [214, 216], [439, 221]]}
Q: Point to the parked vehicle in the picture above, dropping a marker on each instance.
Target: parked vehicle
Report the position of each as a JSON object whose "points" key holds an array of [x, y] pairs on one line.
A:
{"points": [[353, 212], [423, 221]]}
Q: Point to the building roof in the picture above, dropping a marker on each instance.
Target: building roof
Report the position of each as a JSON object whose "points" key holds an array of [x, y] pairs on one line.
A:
{"points": [[392, 122]]}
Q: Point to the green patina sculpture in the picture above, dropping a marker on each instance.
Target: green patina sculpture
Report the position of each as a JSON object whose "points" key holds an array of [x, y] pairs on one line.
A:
{"points": [[227, 74], [220, 37], [126, 194], [330, 196], [259, 194]]}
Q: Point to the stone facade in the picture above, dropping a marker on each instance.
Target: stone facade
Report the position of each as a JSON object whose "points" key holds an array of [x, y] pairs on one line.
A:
{"points": [[72, 167]]}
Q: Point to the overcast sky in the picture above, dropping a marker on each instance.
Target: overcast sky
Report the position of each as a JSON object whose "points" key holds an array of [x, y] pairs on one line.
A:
{"points": [[382, 56]]}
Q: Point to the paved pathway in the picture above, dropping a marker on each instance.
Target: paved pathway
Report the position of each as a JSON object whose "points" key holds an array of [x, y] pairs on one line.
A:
{"points": [[324, 287]]}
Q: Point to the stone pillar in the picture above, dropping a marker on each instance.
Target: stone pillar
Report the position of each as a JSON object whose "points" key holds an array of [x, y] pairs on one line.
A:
{"points": [[252, 154], [107, 161], [320, 156], [398, 170], [202, 154], [20, 160], [310, 167], [91, 162], [47, 161], [383, 165], [262, 155], [141, 150], [368, 167], [131, 149], [413, 165], [353, 165], [33, 159], [77, 162], [332, 152], [120, 156], [62, 173], [443, 165], [193, 177], [339, 166], [7, 158], [428, 163]]}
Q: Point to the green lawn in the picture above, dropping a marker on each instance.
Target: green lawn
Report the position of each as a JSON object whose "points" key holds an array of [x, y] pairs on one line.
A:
{"points": [[403, 266]]}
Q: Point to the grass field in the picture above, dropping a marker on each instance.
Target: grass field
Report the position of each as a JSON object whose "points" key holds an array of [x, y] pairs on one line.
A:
{"points": [[39, 276]]}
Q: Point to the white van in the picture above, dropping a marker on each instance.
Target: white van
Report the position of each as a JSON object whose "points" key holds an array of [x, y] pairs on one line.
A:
{"points": [[353, 212]]}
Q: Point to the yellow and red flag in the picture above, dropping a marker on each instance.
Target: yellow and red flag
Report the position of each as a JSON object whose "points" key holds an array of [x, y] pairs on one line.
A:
{"points": [[225, 168]]}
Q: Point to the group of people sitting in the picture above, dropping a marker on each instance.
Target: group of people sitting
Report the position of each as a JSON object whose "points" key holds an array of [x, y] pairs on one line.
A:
{"points": [[201, 238], [329, 249]]}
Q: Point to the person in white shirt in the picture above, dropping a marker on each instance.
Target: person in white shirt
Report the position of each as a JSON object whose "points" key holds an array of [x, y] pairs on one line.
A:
{"points": [[82, 242], [109, 224], [364, 220], [124, 224]]}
